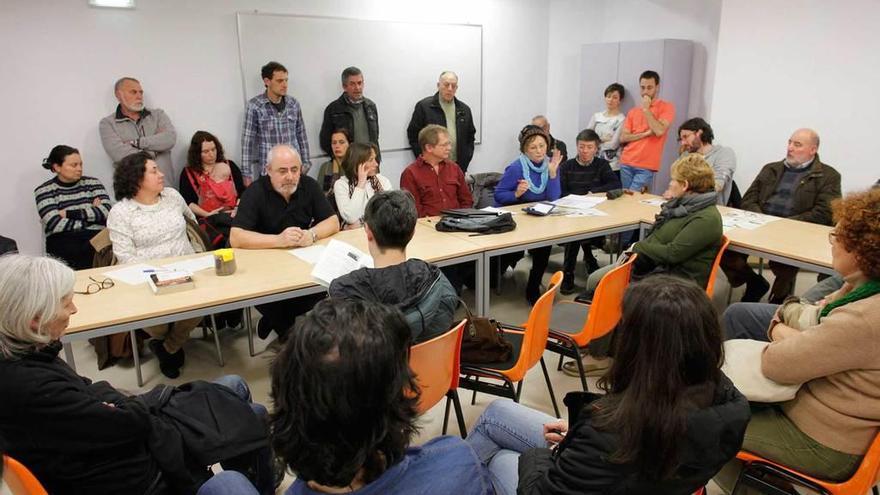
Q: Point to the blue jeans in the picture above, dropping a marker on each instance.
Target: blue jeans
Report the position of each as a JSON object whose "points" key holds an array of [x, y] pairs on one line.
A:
{"points": [[228, 483], [504, 431], [634, 178], [259, 466]]}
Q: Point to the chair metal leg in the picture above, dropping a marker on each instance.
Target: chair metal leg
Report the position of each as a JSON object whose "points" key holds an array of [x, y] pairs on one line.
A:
{"points": [[459, 416], [217, 340], [204, 332], [875, 491], [249, 325], [550, 386], [518, 390], [580, 364], [136, 356], [559, 364], [474, 395], [446, 413]]}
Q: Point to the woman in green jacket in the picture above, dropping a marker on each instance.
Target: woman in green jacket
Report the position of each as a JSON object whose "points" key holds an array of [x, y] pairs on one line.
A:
{"points": [[687, 232]]}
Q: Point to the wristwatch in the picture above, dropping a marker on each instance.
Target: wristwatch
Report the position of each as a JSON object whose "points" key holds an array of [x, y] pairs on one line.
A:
{"points": [[314, 235]]}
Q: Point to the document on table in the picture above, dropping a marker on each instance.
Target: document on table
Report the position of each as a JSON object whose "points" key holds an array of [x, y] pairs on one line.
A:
{"points": [[748, 220], [192, 265], [338, 259], [132, 275], [579, 202], [310, 254], [591, 212], [653, 201], [498, 210]]}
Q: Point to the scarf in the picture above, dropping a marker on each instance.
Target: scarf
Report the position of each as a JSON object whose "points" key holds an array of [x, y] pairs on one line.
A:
{"points": [[683, 206], [542, 169], [864, 291], [374, 183]]}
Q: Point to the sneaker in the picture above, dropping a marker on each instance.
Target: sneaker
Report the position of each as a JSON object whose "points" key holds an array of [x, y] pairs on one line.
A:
{"points": [[168, 363], [590, 369], [756, 287]]}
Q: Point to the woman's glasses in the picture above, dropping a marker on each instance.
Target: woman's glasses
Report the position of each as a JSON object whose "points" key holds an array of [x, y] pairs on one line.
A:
{"points": [[96, 286]]}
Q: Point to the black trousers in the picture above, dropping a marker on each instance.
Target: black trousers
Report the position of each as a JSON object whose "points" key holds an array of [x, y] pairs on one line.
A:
{"points": [[73, 248], [281, 314]]}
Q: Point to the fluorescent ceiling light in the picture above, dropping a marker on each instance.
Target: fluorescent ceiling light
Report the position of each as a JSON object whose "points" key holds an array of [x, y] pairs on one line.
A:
{"points": [[122, 4]]}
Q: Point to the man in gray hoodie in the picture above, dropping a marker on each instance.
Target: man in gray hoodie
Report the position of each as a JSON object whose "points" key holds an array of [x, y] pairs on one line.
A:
{"points": [[418, 288], [696, 136]]}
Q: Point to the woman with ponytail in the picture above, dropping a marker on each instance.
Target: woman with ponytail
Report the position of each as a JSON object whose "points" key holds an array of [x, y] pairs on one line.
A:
{"points": [[531, 177], [72, 208]]}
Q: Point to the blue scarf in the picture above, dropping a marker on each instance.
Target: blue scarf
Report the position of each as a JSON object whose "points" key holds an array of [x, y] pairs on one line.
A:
{"points": [[543, 169]]}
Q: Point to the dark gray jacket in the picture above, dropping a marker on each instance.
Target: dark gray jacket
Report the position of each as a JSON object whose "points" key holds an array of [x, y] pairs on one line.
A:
{"points": [[339, 114], [419, 289], [428, 111]]}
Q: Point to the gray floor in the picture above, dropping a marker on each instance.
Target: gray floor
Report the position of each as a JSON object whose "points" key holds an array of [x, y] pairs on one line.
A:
{"points": [[510, 306]]}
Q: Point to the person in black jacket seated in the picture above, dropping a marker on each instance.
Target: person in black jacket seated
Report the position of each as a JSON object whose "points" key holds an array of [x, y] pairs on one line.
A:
{"points": [[79, 436], [586, 173], [419, 289], [669, 421]]}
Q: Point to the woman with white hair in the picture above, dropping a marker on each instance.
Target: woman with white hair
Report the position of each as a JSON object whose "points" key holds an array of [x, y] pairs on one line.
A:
{"points": [[76, 436]]}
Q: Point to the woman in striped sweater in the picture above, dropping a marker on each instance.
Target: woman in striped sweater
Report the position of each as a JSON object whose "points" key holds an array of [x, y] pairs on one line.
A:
{"points": [[72, 208]]}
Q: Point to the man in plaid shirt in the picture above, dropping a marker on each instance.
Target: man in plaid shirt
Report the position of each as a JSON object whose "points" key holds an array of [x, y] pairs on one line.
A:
{"points": [[272, 118]]}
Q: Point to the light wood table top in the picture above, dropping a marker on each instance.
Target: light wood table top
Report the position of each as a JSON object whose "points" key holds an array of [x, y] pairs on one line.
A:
{"points": [[258, 273]]}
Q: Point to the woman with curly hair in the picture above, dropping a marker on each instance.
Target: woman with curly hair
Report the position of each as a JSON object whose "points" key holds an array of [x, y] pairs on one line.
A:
{"points": [[345, 409], [827, 428], [149, 222]]}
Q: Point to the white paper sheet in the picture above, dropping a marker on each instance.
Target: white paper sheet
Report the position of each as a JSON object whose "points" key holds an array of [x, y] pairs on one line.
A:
{"points": [[748, 220], [132, 275], [578, 202], [592, 212], [192, 265], [653, 202], [498, 210], [338, 259], [310, 254]]}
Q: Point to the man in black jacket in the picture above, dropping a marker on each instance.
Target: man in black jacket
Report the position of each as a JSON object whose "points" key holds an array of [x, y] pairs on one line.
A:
{"points": [[419, 289], [352, 112], [443, 109]]}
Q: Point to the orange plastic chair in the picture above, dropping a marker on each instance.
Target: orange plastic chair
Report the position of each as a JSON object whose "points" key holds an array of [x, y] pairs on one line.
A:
{"points": [[863, 480], [436, 365], [19, 479], [528, 349], [710, 287], [573, 325]]}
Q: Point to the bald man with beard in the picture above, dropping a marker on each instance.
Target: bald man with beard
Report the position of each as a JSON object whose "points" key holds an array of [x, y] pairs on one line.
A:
{"points": [[800, 187]]}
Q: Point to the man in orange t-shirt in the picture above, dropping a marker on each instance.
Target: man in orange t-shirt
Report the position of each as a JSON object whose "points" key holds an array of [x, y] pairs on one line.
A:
{"points": [[644, 131]]}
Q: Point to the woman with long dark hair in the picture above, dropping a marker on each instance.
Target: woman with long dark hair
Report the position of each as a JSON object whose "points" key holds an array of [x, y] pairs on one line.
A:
{"points": [[360, 182], [668, 422], [72, 207]]}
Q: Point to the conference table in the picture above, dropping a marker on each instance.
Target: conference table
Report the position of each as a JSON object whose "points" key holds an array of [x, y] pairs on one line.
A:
{"points": [[268, 275]]}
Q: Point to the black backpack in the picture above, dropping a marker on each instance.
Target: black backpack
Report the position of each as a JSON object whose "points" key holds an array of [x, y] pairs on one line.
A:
{"points": [[479, 225]]}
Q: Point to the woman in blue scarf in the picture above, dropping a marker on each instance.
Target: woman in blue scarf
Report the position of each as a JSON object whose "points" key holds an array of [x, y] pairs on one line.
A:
{"points": [[531, 177]]}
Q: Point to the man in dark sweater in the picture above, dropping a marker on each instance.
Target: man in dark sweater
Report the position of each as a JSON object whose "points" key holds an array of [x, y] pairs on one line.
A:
{"points": [[419, 289], [584, 174], [800, 187]]}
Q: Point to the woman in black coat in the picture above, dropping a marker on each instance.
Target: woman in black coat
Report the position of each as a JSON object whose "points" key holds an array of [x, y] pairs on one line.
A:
{"points": [[79, 436], [669, 421]]}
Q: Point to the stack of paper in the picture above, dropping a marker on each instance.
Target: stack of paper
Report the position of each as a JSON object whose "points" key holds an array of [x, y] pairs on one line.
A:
{"points": [[338, 259], [748, 220], [576, 202]]}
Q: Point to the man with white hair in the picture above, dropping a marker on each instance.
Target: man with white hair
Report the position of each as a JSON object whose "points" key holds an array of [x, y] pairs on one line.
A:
{"points": [[283, 209], [134, 128], [446, 110], [800, 187]]}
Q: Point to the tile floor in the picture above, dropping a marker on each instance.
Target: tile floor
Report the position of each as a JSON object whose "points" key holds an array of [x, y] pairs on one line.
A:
{"points": [[202, 360]]}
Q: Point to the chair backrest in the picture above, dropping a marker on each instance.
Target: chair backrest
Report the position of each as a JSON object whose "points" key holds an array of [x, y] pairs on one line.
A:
{"points": [[436, 365], [19, 479], [605, 310], [710, 287], [865, 477], [537, 329]]}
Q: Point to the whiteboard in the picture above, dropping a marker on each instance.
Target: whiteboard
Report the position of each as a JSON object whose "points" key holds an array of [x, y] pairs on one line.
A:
{"points": [[401, 63]]}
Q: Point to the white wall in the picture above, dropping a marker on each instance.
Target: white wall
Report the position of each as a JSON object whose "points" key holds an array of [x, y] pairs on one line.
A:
{"points": [[577, 22], [811, 64], [62, 58]]}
